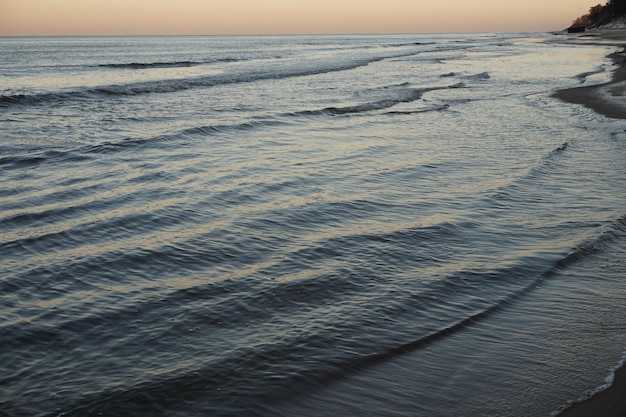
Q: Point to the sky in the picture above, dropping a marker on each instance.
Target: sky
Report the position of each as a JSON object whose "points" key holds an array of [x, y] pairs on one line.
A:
{"points": [[196, 17]]}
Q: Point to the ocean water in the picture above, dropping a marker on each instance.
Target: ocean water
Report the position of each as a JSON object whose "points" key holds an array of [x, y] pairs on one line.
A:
{"points": [[307, 226]]}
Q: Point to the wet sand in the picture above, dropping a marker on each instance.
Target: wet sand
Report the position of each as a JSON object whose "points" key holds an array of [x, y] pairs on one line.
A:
{"points": [[612, 401], [609, 98], [609, 403]]}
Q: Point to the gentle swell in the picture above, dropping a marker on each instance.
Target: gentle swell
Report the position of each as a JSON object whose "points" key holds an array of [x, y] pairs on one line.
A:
{"points": [[251, 370], [145, 65], [400, 94], [170, 86], [82, 153], [406, 95], [479, 77], [533, 173], [583, 76]]}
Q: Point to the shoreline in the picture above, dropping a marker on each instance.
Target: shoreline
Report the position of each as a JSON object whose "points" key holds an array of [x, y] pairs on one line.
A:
{"points": [[610, 402], [591, 96]]}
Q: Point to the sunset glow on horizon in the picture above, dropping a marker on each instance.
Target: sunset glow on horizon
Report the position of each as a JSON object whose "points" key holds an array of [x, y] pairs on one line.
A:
{"points": [[199, 17]]}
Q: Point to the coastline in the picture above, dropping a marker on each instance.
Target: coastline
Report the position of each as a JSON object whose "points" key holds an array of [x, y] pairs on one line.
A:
{"points": [[593, 96], [610, 402]]}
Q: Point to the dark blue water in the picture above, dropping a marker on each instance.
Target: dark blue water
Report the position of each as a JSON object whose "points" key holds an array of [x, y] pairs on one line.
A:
{"points": [[265, 226]]}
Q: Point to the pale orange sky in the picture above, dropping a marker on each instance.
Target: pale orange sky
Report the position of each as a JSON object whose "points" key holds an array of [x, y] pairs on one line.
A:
{"points": [[143, 17]]}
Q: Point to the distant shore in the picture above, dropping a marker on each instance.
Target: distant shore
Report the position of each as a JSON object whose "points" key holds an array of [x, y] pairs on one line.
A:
{"points": [[592, 96], [612, 401]]}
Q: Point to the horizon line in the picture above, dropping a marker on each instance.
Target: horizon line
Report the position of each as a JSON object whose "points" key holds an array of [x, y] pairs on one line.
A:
{"points": [[271, 34]]}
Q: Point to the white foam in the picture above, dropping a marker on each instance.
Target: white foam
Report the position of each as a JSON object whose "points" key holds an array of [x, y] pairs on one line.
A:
{"points": [[611, 378]]}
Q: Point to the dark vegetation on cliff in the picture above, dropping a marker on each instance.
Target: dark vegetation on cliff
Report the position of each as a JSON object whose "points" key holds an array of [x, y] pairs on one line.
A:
{"points": [[599, 15]]}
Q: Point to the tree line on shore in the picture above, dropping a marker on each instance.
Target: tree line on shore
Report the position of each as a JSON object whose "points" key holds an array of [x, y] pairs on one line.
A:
{"points": [[599, 14]]}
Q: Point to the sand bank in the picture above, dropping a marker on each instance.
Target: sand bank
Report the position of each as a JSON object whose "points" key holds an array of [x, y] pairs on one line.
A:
{"points": [[609, 98]]}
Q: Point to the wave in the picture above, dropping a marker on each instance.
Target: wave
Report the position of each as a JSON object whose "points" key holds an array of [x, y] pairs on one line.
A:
{"points": [[556, 152], [146, 65], [168, 64], [608, 235], [478, 77], [540, 169], [84, 152], [30, 157], [178, 255], [176, 85], [19, 157], [582, 77], [612, 233], [406, 95], [483, 76], [441, 107], [254, 372], [400, 45], [244, 377]]}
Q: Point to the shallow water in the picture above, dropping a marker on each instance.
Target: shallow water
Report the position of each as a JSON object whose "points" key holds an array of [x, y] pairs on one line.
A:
{"points": [[355, 225]]}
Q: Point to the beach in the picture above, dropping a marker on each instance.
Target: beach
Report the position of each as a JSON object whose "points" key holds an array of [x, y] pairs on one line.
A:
{"points": [[612, 401], [607, 98]]}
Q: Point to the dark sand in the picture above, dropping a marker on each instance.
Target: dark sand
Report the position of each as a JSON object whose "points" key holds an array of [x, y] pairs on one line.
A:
{"points": [[590, 96], [611, 402]]}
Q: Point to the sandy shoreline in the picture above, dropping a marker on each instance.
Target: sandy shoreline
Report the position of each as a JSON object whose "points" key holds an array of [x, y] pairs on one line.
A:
{"points": [[604, 98], [612, 401], [608, 403]]}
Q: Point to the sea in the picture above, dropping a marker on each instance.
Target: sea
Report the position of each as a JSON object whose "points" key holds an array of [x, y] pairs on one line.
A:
{"points": [[266, 226]]}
